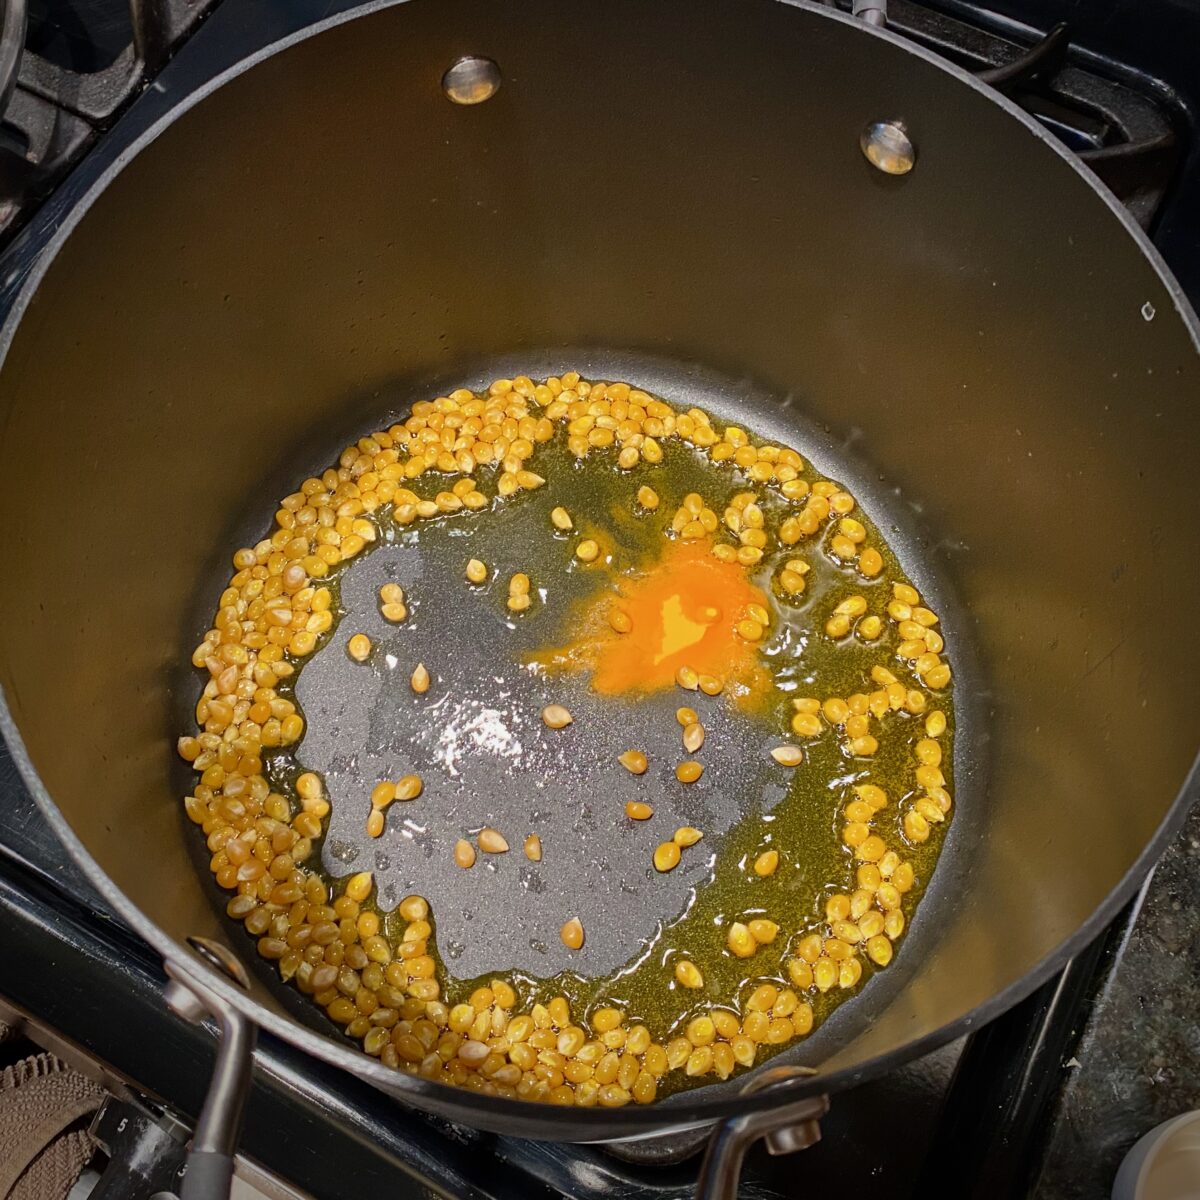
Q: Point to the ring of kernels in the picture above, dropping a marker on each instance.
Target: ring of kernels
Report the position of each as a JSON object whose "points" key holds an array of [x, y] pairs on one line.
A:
{"points": [[276, 611]]}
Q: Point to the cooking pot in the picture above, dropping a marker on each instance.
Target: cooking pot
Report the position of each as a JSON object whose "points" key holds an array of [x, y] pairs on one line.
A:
{"points": [[770, 191]]}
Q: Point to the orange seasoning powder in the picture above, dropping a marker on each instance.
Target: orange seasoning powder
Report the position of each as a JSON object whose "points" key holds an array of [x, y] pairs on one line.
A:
{"points": [[682, 612]]}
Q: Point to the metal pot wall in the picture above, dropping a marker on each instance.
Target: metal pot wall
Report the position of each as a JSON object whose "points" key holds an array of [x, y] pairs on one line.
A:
{"points": [[988, 334]]}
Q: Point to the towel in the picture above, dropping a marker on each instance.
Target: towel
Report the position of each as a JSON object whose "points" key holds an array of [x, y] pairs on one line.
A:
{"points": [[45, 1110]]}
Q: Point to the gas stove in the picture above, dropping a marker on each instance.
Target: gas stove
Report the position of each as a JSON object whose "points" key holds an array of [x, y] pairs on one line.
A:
{"points": [[1042, 1102]]}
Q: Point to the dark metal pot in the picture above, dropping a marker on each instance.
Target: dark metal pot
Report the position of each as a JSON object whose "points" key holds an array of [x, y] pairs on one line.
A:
{"points": [[990, 334]]}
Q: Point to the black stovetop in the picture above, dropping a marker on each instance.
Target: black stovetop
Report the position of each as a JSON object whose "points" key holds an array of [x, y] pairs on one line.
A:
{"points": [[1042, 1102]]}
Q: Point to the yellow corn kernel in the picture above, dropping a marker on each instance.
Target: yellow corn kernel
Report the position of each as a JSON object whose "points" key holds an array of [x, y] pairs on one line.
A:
{"points": [[870, 562], [604, 1020], [869, 628], [740, 940], [766, 863], [800, 973], [879, 950], [762, 930], [359, 886], [634, 761], [620, 620], [409, 787], [825, 973], [806, 724], [666, 857]]}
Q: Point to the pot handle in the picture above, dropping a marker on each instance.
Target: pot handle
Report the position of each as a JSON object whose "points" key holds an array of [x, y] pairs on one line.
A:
{"points": [[208, 1174], [795, 1125]]}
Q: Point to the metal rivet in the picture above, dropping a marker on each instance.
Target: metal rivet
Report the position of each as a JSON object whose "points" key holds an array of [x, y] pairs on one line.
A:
{"points": [[222, 958], [1147, 311], [471, 80], [792, 1138], [888, 147]]}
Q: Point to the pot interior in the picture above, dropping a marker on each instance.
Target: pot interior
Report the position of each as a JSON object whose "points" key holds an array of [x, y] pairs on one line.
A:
{"points": [[981, 344]]}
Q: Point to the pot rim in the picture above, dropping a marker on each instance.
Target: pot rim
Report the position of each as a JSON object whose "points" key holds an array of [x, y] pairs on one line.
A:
{"points": [[689, 1109]]}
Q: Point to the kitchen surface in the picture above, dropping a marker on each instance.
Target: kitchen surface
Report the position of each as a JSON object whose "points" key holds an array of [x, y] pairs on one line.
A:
{"points": [[1042, 1103]]}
